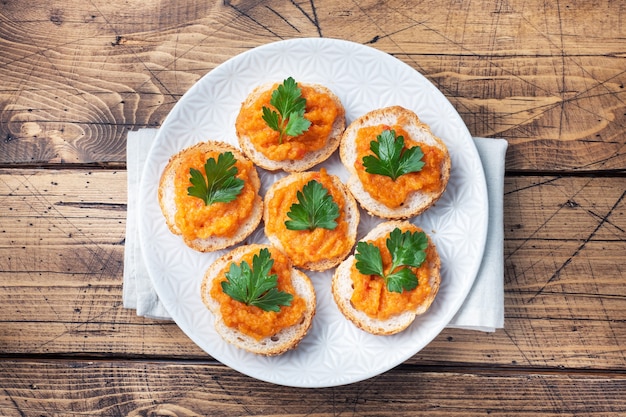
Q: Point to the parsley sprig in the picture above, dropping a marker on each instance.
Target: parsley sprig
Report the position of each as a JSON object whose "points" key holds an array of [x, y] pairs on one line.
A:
{"points": [[220, 184], [407, 249], [290, 120], [256, 286], [315, 208], [391, 158]]}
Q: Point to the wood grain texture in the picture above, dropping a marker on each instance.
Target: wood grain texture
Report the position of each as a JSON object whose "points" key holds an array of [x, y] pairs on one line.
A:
{"points": [[76, 77], [33, 388], [549, 77], [61, 263]]}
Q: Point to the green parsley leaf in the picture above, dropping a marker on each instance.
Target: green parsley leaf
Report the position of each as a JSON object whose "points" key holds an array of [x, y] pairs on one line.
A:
{"points": [[290, 120], [255, 286], [391, 159], [402, 279], [315, 208], [271, 118], [406, 249], [369, 260], [220, 184]]}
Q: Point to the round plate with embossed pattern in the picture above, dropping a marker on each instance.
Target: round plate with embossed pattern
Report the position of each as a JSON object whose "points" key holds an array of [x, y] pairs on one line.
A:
{"points": [[334, 352]]}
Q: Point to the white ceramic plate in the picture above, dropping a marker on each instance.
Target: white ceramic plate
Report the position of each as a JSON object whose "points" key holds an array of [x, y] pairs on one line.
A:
{"points": [[334, 352]]}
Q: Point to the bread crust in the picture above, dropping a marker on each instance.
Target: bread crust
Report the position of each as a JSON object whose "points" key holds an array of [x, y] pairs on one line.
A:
{"points": [[350, 210], [166, 195], [342, 289], [311, 158], [418, 201], [283, 341]]}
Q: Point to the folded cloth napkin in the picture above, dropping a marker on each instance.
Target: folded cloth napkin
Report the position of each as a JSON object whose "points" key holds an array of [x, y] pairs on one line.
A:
{"points": [[483, 309], [137, 290]]}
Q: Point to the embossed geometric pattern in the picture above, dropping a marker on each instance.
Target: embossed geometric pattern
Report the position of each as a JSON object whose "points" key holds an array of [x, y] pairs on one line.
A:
{"points": [[334, 352]]}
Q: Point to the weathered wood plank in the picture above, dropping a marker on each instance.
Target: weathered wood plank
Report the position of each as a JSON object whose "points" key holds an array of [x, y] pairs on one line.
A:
{"points": [[544, 76], [77, 76], [576, 343], [33, 388], [61, 275], [567, 208]]}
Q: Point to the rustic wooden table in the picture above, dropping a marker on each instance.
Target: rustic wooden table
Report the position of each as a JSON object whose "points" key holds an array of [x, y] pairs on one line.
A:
{"points": [[77, 76]]}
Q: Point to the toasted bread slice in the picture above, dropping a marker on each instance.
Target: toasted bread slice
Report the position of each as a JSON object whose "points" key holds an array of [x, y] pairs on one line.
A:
{"points": [[166, 196], [342, 289], [286, 339], [309, 159], [328, 251], [417, 201]]}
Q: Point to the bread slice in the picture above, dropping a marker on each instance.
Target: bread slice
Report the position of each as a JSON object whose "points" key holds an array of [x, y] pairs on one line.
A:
{"points": [[342, 289], [351, 215], [166, 196], [417, 201], [281, 342], [312, 158]]}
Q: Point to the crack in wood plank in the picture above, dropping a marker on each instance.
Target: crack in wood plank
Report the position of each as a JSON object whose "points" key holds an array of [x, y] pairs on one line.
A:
{"points": [[600, 224]]}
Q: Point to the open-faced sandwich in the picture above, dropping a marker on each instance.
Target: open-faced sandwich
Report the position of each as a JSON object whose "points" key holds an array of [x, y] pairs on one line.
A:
{"points": [[209, 194], [312, 217], [393, 276], [290, 126], [397, 167], [260, 302]]}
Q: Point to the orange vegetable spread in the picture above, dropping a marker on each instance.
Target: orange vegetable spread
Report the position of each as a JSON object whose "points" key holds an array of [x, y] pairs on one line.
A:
{"points": [[321, 111], [370, 292], [254, 321], [197, 220], [304, 246], [386, 190]]}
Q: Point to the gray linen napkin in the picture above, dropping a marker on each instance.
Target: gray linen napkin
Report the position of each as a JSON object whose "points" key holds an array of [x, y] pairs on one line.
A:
{"points": [[482, 310], [137, 290]]}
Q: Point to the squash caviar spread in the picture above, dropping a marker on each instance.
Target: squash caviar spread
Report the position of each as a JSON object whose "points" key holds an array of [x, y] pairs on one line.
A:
{"points": [[254, 321], [321, 111], [384, 189], [308, 246], [194, 218], [370, 292]]}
